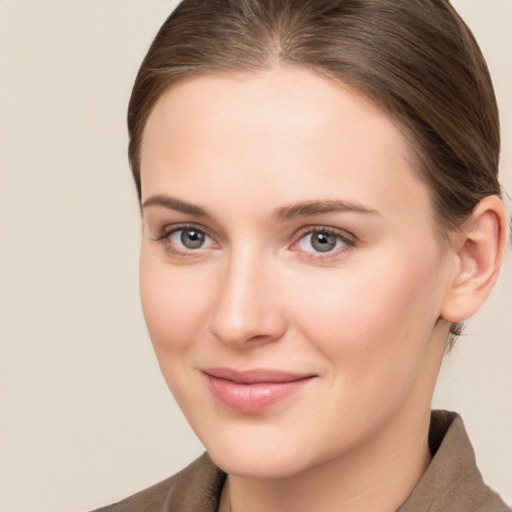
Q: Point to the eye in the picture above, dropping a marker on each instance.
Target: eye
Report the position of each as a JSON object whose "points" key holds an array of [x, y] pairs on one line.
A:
{"points": [[323, 240], [184, 240], [189, 238]]}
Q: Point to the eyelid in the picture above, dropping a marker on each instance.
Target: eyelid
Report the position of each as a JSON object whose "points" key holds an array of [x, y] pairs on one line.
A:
{"points": [[320, 228], [167, 231], [348, 238]]}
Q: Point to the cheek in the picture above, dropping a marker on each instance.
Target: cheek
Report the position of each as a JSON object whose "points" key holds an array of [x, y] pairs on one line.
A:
{"points": [[373, 330], [372, 318], [173, 302]]}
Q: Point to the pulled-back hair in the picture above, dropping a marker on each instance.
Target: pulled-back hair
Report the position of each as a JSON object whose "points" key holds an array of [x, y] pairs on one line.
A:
{"points": [[416, 59]]}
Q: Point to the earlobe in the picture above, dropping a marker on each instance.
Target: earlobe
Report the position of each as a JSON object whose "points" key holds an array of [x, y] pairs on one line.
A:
{"points": [[478, 255]]}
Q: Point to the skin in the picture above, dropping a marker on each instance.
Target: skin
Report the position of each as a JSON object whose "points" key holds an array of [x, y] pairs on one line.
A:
{"points": [[368, 319]]}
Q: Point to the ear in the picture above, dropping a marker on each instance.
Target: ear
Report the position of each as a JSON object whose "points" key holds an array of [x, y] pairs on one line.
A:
{"points": [[478, 253]]}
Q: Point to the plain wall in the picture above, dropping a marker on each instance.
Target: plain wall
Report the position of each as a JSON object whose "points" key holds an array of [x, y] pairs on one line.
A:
{"points": [[86, 418]]}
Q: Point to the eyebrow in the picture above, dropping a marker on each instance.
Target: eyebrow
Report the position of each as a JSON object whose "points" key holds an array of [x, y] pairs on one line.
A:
{"points": [[281, 214], [307, 208], [172, 203]]}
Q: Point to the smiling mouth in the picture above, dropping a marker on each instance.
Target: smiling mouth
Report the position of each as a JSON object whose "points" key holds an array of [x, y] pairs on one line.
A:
{"points": [[253, 390]]}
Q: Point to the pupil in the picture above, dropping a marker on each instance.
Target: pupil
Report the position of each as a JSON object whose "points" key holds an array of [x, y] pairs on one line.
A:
{"points": [[323, 242], [192, 239]]}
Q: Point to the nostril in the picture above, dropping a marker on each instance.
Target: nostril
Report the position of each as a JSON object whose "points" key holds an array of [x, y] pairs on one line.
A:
{"points": [[246, 312], [255, 329]]}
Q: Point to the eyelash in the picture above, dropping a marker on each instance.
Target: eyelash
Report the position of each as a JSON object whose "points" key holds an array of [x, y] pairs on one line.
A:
{"points": [[347, 239], [168, 231]]}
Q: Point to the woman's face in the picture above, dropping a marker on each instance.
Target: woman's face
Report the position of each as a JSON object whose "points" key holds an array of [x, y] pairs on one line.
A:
{"points": [[291, 279]]}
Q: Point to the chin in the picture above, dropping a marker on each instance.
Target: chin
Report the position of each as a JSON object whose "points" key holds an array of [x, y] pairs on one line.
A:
{"points": [[260, 456], [266, 467]]}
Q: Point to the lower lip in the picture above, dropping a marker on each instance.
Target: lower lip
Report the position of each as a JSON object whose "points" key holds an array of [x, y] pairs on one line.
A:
{"points": [[253, 397]]}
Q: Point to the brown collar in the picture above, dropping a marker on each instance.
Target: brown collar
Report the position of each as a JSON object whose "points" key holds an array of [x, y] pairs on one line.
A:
{"points": [[452, 481]]}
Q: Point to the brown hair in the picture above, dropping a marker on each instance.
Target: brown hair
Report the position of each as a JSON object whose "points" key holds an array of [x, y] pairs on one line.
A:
{"points": [[415, 58]]}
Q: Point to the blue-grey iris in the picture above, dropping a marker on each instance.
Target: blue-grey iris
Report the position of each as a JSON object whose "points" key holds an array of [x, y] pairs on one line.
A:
{"points": [[323, 242], [192, 239]]}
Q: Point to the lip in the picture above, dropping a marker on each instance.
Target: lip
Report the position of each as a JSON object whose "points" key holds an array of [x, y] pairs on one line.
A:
{"points": [[254, 390]]}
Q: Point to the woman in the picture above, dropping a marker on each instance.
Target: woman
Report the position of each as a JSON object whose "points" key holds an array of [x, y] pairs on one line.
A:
{"points": [[321, 211]]}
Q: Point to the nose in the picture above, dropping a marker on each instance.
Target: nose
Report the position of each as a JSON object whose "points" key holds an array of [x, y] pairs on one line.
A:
{"points": [[247, 311]]}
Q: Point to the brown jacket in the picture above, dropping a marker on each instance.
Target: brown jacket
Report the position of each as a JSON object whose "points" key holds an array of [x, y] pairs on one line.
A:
{"points": [[452, 482]]}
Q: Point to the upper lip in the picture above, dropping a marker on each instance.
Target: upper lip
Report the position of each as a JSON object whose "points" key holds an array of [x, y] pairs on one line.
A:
{"points": [[256, 375]]}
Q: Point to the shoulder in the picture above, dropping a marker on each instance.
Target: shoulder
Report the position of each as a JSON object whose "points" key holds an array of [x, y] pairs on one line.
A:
{"points": [[452, 481], [194, 489]]}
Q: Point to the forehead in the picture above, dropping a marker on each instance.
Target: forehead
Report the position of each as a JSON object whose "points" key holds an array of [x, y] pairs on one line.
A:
{"points": [[290, 131], [289, 98]]}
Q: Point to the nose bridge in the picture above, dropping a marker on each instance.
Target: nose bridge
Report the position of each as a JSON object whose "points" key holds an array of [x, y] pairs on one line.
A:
{"points": [[247, 306]]}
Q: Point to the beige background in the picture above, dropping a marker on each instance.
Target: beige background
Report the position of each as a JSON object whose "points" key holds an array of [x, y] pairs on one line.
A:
{"points": [[85, 416]]}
